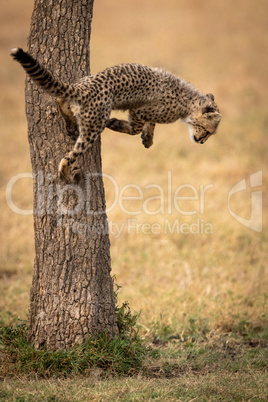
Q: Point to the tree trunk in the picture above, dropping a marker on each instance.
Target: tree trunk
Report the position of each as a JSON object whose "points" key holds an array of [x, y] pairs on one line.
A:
{"points": [[72, 290]]}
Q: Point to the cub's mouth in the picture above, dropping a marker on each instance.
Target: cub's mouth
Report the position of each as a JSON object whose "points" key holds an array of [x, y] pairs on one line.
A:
{"points": [[202, 139]]}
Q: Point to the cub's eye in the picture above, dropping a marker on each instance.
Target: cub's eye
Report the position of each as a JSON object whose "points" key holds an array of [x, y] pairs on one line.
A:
{"points": [[208, 109]]}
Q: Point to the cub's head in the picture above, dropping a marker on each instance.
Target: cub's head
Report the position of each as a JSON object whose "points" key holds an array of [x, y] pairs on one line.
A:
{"points": [[204, 119]]}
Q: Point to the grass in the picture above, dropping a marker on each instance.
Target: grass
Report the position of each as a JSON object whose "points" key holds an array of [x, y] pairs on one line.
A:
{"points": [[213, 366], [202, 296], [120, 355], [212, 387]]}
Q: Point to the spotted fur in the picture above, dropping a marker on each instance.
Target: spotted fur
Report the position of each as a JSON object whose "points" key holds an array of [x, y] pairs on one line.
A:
{"points": [[150, 95]]}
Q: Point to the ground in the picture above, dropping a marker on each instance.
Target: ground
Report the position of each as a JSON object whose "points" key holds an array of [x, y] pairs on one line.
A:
{"points": [[178, 249]]}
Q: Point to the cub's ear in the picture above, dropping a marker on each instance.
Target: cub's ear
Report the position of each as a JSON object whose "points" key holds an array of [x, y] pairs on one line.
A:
{"points": [[210, 96]]}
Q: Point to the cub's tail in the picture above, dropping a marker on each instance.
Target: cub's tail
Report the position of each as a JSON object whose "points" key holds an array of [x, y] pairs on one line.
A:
{"points": [[40, 75]]}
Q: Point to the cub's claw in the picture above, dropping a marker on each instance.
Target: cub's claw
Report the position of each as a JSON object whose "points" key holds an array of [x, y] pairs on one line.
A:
{"points": [[70, 174]]}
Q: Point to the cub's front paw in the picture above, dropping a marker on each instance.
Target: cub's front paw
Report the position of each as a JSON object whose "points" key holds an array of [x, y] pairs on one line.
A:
{"points": [[69, 172], [147, 140]]}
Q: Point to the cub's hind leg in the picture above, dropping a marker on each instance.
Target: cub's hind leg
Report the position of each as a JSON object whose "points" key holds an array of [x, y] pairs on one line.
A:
{"points": [[91, 123], [69, 168], [69, 118], [148, 134]]}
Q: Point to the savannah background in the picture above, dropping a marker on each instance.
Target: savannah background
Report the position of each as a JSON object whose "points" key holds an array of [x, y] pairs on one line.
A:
{"points": [[203, 296]]}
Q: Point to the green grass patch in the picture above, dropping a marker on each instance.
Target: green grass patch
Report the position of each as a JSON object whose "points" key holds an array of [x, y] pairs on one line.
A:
{"points": [[120, 355]]}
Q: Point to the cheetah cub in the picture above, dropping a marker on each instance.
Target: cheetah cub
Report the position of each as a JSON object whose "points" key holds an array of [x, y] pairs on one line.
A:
{"points": [[150, 95]]}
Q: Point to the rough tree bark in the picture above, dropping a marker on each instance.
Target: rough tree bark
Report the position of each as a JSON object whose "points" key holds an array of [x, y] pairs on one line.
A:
{"points": [[72, 291]]}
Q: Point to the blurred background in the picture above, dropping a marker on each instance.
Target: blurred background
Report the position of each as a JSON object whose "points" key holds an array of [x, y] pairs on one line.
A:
{"points": [[177, 260]]}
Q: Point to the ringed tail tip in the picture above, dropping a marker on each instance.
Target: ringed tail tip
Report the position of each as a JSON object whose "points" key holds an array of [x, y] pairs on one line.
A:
{"points": [[16, 53]]}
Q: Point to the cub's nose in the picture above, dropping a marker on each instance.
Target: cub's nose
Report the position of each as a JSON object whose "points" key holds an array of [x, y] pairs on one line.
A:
{"points": [[198, 141]]}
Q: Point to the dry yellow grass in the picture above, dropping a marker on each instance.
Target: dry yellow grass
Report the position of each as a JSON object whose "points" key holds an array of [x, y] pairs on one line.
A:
{"points": [[218, 278], [213, 283]]}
